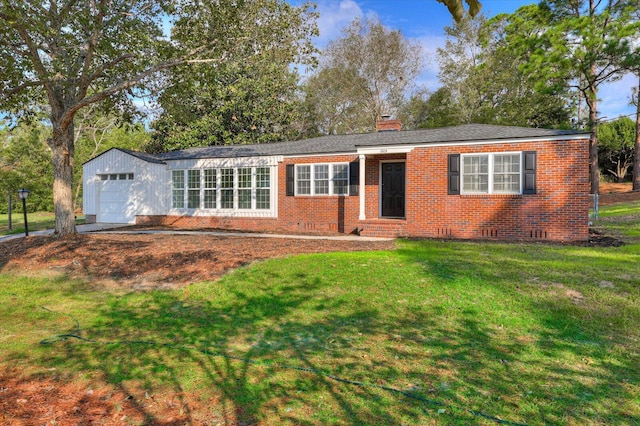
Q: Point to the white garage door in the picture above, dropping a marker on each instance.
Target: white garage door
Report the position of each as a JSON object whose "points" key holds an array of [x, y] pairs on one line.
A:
{"points": [[116, 205]]}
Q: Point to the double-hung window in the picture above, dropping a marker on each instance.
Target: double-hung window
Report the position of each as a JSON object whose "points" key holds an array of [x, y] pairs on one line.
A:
{"points": [[491, 173], [193, 195], [263, 188], [340, 179], [226, 188], [177, 183], [244, 188], [303, 180], [322, 179], [210, 184]]}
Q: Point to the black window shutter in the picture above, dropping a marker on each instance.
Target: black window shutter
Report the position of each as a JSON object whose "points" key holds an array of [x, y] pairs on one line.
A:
{"points": [[453, 174], [354, 177], [290, 179], [529, 169]]}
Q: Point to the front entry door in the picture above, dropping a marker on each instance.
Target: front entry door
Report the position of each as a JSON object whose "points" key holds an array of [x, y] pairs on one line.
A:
{"points": [[393, 189]]}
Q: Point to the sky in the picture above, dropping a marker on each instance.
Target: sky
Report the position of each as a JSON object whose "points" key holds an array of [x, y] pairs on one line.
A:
{"points": [[424, 22]]}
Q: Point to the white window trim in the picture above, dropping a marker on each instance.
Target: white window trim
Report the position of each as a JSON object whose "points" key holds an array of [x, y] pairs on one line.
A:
{"points": [[313, 180], [490, 190], [234, 211]]}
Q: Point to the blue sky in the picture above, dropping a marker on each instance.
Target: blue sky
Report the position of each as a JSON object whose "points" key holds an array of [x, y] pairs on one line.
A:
{"points": [[424, 21]]}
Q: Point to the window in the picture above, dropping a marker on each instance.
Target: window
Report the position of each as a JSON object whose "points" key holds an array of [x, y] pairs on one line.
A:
{"points": [[210, 188], [116, 176], [226, 188], [263, 188], [321, 179], [506, 173], [340, 179], [193, 195], [475, 172], [244, 188], [326, 179], [491, 173], [177, 182], [303, 180]]}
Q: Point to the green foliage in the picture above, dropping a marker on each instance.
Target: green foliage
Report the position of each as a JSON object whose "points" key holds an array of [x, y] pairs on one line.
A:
{"points": [[250, 96], [483, 81], [25, 162], [530, 333], [617, 146], [363, 75], [430, 111]]}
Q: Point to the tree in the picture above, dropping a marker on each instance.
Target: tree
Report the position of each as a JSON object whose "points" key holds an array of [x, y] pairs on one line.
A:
{"points": [[68, 55], [456, 8], [582, 44], [248, 98], [636, 158], [25, 162], [364, 74], [429, 111], [616, 146], [484, 82]]}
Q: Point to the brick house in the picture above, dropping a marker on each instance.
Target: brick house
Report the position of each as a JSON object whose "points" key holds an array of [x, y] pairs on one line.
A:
{"points": [[471, 182]]}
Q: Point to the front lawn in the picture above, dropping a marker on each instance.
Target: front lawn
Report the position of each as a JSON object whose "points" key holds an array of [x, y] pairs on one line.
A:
{"points": [[37, 221], [431, 333]]}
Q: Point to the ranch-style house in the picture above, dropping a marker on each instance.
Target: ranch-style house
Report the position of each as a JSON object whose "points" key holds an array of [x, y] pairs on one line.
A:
{"points": [[472, 182]]}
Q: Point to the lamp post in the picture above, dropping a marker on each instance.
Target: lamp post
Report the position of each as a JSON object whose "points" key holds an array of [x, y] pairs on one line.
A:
{"points": [[23, 194]]}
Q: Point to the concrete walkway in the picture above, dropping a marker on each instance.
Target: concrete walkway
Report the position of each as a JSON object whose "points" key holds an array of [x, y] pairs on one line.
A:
{"points": [[82, 229], [112, 228]]}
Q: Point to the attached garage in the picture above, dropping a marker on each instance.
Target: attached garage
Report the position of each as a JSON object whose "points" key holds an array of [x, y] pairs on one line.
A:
{"points": [[114, 194], [120, 184]]}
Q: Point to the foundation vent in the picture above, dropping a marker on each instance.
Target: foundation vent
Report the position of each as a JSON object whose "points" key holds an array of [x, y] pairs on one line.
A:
{"points": [[444, 232], [539, 234], [490, 233]]}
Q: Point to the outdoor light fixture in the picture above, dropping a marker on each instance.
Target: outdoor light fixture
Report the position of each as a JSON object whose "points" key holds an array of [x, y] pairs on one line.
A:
{"points": [[23, 194]]}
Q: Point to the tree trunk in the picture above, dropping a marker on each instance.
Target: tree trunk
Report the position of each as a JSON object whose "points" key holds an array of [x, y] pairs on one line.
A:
{"points": [[636, 155], [62, 149]]}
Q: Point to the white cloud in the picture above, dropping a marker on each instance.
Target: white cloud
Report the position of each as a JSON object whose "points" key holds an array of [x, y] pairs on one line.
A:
{"points": [[335, 15]]}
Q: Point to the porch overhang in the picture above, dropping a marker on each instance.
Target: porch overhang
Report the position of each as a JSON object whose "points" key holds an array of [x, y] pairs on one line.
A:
{"points": [[372, 151]]}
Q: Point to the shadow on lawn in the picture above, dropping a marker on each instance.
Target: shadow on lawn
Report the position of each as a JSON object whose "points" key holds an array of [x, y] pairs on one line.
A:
{"points": [[453, 358], [534, 374]]}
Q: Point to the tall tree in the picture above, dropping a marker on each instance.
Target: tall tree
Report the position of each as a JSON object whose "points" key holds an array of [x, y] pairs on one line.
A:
{"points": [[585, 43], [251, 97], [482, 74], [366, 73], [69, 54], [636, 159]]}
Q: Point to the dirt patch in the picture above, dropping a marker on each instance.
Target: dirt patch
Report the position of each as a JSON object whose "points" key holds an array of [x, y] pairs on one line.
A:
{"points": [[157, 261], [49, 400], [611, 193]]}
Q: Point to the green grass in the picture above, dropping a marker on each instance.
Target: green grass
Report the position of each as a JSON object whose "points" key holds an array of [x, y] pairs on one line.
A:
{"points": [[37, 221], [529, 333], [621, 220]]}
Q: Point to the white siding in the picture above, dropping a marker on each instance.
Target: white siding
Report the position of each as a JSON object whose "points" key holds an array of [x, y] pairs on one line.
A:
{"points": [[149, 191]]}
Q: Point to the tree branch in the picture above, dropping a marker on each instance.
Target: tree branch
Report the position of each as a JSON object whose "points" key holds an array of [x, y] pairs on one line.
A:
{"points": [[7, 94]]}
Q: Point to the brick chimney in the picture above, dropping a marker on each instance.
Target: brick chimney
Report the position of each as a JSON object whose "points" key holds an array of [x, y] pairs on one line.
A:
{"points": [[385, 124]]}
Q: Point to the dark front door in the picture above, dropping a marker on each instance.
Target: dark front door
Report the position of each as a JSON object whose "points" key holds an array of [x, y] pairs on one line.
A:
{"points": [[392, 189]]}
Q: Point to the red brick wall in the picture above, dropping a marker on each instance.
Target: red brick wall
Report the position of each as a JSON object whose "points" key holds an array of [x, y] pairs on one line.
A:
{"points": [[330, 213], [558, 211]]}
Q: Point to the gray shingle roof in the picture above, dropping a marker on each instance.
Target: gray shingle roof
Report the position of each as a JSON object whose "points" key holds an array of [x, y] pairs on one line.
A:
{"points": [[349, 143]]}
